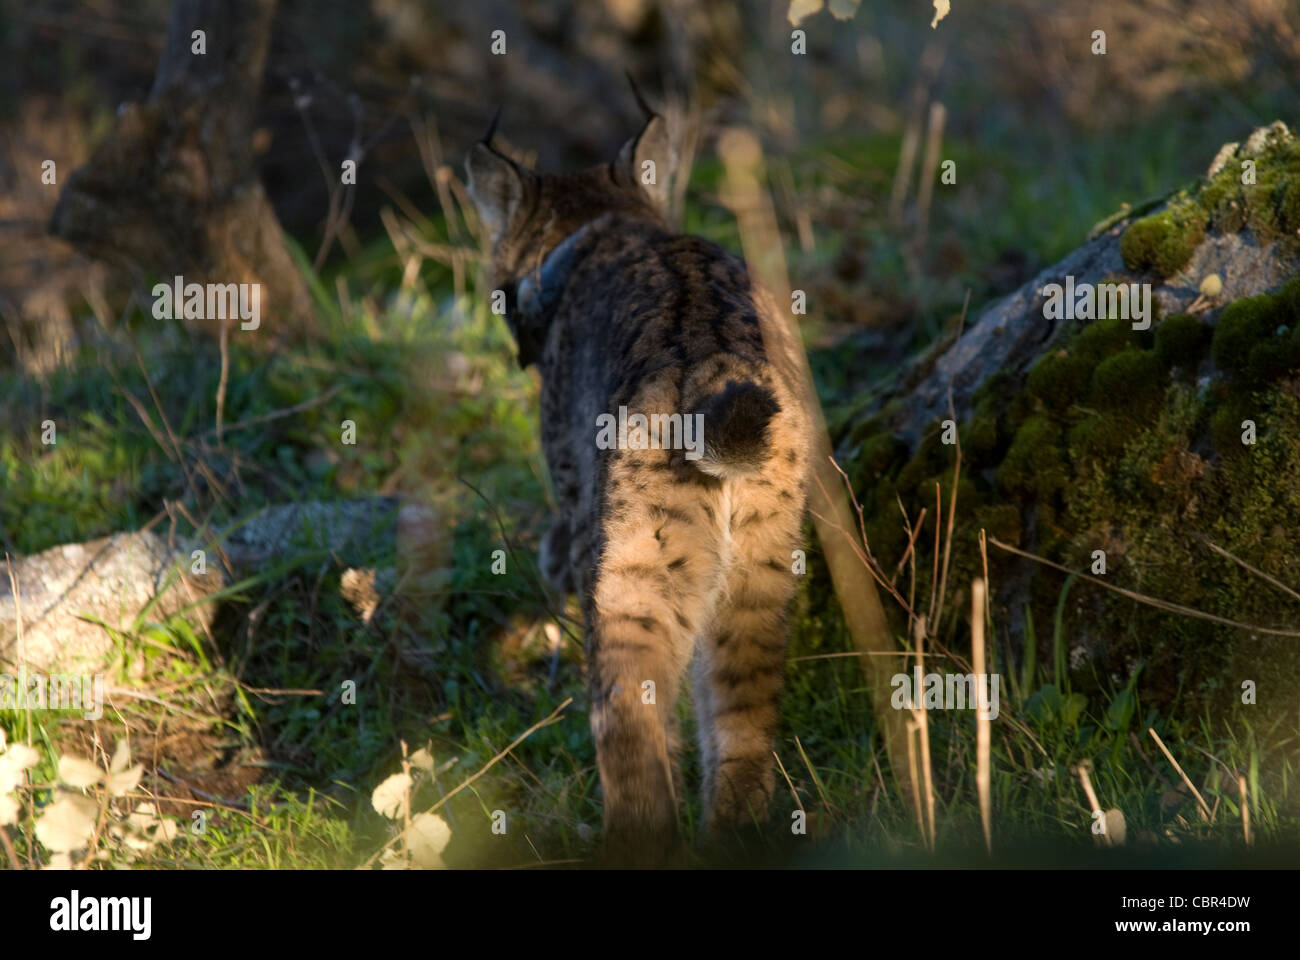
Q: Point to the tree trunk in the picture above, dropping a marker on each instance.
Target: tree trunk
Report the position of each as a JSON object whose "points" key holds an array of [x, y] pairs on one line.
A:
{"points": [[173, 190]]}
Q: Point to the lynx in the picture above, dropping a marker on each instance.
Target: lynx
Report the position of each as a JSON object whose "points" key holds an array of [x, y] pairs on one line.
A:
{"points": [[676, 554]]}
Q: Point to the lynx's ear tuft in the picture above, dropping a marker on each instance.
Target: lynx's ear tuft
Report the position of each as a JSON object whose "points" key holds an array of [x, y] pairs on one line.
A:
{"points": [[496, 185], [647, 160]]}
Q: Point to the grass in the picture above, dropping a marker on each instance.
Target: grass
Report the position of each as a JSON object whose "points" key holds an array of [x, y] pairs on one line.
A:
{"points": [[250, 727]]}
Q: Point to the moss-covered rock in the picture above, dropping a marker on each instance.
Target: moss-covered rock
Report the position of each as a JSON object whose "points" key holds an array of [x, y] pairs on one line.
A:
{"points": [[1104, 446], [1257, 187], [1163, 242], [1099, 437]]}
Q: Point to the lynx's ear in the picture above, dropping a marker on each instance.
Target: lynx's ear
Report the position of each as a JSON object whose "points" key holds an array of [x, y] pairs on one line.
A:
{"points": [[497, 185], [647, 160]]}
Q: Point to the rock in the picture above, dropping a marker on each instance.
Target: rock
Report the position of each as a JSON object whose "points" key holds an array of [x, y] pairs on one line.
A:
{"points": [[66, 592], [72, 596], [1012, 333], [1121, 451]]}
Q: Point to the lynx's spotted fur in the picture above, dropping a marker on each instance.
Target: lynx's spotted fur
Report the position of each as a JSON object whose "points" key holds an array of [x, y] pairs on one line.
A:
{"points": [[675, 557]]}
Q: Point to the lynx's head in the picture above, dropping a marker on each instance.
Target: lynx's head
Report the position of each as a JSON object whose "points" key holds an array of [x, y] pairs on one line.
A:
{"points": [[529, 214]]}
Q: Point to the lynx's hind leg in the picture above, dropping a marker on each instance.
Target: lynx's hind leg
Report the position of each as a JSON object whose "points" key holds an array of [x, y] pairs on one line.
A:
{"points": [[740, 671], [656, 580]]}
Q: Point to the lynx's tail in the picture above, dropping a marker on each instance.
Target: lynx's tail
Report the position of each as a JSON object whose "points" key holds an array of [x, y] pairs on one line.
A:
{"points": [[735, 425]]}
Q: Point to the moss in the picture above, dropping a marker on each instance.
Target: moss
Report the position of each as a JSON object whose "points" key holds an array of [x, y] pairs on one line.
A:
{"points": [[1288, 303], [1289, 207], [1132, 381], [932, 456], [1033, 465], [877, 455], [1164, 241], [1277, 358], [979, 439], [1273, 201], [1255, 339], [1244, 325], [1270, 206], [994, 391], [866, 429], [1099, 436], [1181, 341], [1223, 200], [1001, 520], [1101, 338], [1225, 427], [1059, 379], [886, 535]]}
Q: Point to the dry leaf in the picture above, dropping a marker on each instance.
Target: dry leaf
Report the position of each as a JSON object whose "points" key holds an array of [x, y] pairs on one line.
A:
{"points": [[9, 810], [120, 784], [390, 795], [422, 759], [801, 10], [78, 772], [12, 764], [941, 9], [427, 838], [67, 823], [121, 757]]}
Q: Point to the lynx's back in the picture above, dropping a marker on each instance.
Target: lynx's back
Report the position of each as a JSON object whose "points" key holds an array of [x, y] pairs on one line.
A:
{"points": [[675, 433]]}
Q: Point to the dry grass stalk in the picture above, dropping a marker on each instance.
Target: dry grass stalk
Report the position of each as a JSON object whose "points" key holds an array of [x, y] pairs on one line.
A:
{"points": [[813, 774], [983, 729], [929, 171], [1205, 807], [1143, 598], [952, 520], [1255, 570], [1093, 803], [1245, 813], [914, 780], [923, 735], [797, 802]]}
